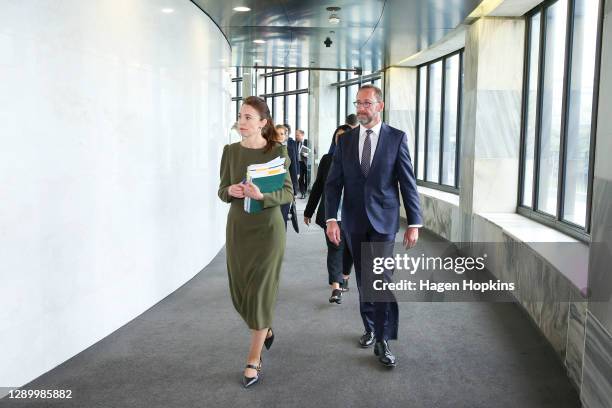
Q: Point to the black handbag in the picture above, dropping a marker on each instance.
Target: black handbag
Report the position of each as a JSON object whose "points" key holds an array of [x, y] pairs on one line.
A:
{"points": [[294, 218]]}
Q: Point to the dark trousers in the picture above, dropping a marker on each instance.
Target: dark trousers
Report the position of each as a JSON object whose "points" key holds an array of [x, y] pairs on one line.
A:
{"points": [[302, 180], [381, 318], [285, 211], [339, 260]]}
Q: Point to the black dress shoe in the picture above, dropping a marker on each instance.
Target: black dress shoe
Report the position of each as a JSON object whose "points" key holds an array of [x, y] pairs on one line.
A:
{"points": [[381, 349], [269, 340], [250, 381], [336, 296], [344, 285], [367, 339]]}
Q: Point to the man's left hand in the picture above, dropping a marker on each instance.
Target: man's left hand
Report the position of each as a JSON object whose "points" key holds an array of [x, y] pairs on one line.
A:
{"points": [[411, 236]]}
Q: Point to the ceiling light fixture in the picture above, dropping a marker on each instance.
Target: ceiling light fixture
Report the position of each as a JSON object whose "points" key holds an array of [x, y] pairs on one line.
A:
{"points": [[167, 10], [333, 17], [259, 41], [241, 9]]}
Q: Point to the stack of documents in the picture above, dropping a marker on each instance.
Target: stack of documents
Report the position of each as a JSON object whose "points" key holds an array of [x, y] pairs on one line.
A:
{"points": [[268, 177]]}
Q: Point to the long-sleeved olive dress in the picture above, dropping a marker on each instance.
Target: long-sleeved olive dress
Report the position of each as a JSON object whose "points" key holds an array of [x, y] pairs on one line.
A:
{"points": [[255, 243]]}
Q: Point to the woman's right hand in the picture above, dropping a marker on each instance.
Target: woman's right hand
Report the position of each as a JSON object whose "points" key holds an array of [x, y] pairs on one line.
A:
{"points": [[236, 191], [307, 220]]}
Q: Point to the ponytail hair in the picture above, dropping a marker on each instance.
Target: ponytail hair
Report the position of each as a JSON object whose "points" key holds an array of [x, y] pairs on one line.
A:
{"points": [[268, 131]]}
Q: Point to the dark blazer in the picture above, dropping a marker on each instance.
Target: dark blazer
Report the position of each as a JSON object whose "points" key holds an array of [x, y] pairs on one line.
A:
{"points": [[375, 198], [293, 167], [317, 195]]}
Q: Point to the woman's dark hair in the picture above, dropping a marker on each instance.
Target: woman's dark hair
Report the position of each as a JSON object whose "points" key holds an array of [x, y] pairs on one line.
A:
{"points": [[332, 148], [268, 131]]}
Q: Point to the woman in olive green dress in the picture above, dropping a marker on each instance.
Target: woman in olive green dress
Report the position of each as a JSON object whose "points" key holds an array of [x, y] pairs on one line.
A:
{"points": [[255, 243]]}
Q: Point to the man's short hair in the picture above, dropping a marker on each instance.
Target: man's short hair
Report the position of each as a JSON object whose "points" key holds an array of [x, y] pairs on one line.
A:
{"points": [[286, 125], [377, 91], [351, 120]]}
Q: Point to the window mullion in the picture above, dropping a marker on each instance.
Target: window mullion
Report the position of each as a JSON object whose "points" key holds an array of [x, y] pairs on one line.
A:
{"points": [[538, 130], [442, 113], [564, 113]]}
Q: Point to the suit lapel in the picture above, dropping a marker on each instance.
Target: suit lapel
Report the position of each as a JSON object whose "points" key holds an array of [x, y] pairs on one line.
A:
{"points": [[354, 152]]}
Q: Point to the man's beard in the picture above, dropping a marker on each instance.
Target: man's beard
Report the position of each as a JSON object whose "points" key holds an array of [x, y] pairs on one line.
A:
{"points": [[365, 119]]}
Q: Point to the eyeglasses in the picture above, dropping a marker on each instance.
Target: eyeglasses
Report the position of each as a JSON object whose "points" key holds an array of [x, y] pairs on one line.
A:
{"points": [[365, 104]]}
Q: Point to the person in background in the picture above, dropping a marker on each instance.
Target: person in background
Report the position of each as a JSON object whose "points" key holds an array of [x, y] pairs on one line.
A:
{"points": [[293, 155], [283, 138], [255, 243], [351, 120], [303, 162], [337, 269]]}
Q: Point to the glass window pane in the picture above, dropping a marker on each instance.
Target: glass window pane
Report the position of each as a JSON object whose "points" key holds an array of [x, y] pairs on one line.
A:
{"points": [[291, 111], [531, 99], [422, 118], [433, 128], [342, 105], [303, 112], [451, 89], [279, 109], [554, 57], [279, 83], [580, 110], [351, 96], [268, 85], [291, 84], [303, 79]]}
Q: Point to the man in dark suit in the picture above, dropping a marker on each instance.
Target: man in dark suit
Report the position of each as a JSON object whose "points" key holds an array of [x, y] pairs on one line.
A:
{"points": [[369, 163], [293, 155], [302, 161], [283, 132]]}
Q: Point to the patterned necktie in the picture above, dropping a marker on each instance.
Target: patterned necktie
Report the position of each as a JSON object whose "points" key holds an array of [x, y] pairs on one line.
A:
{"points": [[366, 154]]}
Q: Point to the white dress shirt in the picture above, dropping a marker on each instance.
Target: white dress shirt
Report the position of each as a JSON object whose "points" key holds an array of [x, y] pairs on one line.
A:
{"points": [[373, 140]]}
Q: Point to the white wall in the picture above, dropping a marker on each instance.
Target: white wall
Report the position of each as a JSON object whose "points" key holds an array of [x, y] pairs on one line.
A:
{"points": [[113, 116]]}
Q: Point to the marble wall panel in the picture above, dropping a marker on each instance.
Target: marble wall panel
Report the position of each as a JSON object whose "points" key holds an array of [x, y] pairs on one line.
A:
{"points": [[576, 332], [555, 308], [496, 182], [597, 368], [498, 124]]}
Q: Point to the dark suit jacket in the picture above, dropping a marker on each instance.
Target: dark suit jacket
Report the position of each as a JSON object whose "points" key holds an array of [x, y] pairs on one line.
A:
{"points": [[317, 195], [293, 167], [375, 198]]}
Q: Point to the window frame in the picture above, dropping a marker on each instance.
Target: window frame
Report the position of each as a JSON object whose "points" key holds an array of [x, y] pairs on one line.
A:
{"points": [[343, 85], [271, 94], [237, 80], [454, 189], [533, 212]]}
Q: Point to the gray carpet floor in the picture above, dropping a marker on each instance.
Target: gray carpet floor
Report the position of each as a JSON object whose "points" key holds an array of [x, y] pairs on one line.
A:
{"points": [[189, 350]]}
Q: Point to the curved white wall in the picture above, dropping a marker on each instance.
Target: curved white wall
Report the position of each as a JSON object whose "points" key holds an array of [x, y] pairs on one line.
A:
{"points": [[113, 116]]}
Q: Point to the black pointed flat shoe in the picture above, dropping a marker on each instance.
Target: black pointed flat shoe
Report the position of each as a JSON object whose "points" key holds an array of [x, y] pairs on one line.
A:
{"points": [[269, 340], [250, 381]]}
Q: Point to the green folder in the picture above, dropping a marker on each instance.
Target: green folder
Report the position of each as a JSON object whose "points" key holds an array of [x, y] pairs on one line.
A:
{"points": [[266, 184]]}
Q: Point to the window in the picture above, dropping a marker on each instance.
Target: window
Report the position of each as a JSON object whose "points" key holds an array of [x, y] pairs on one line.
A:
{"points": [[559, 96], [437, 133], [236, 91], [347, 86], [286, 93]]}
